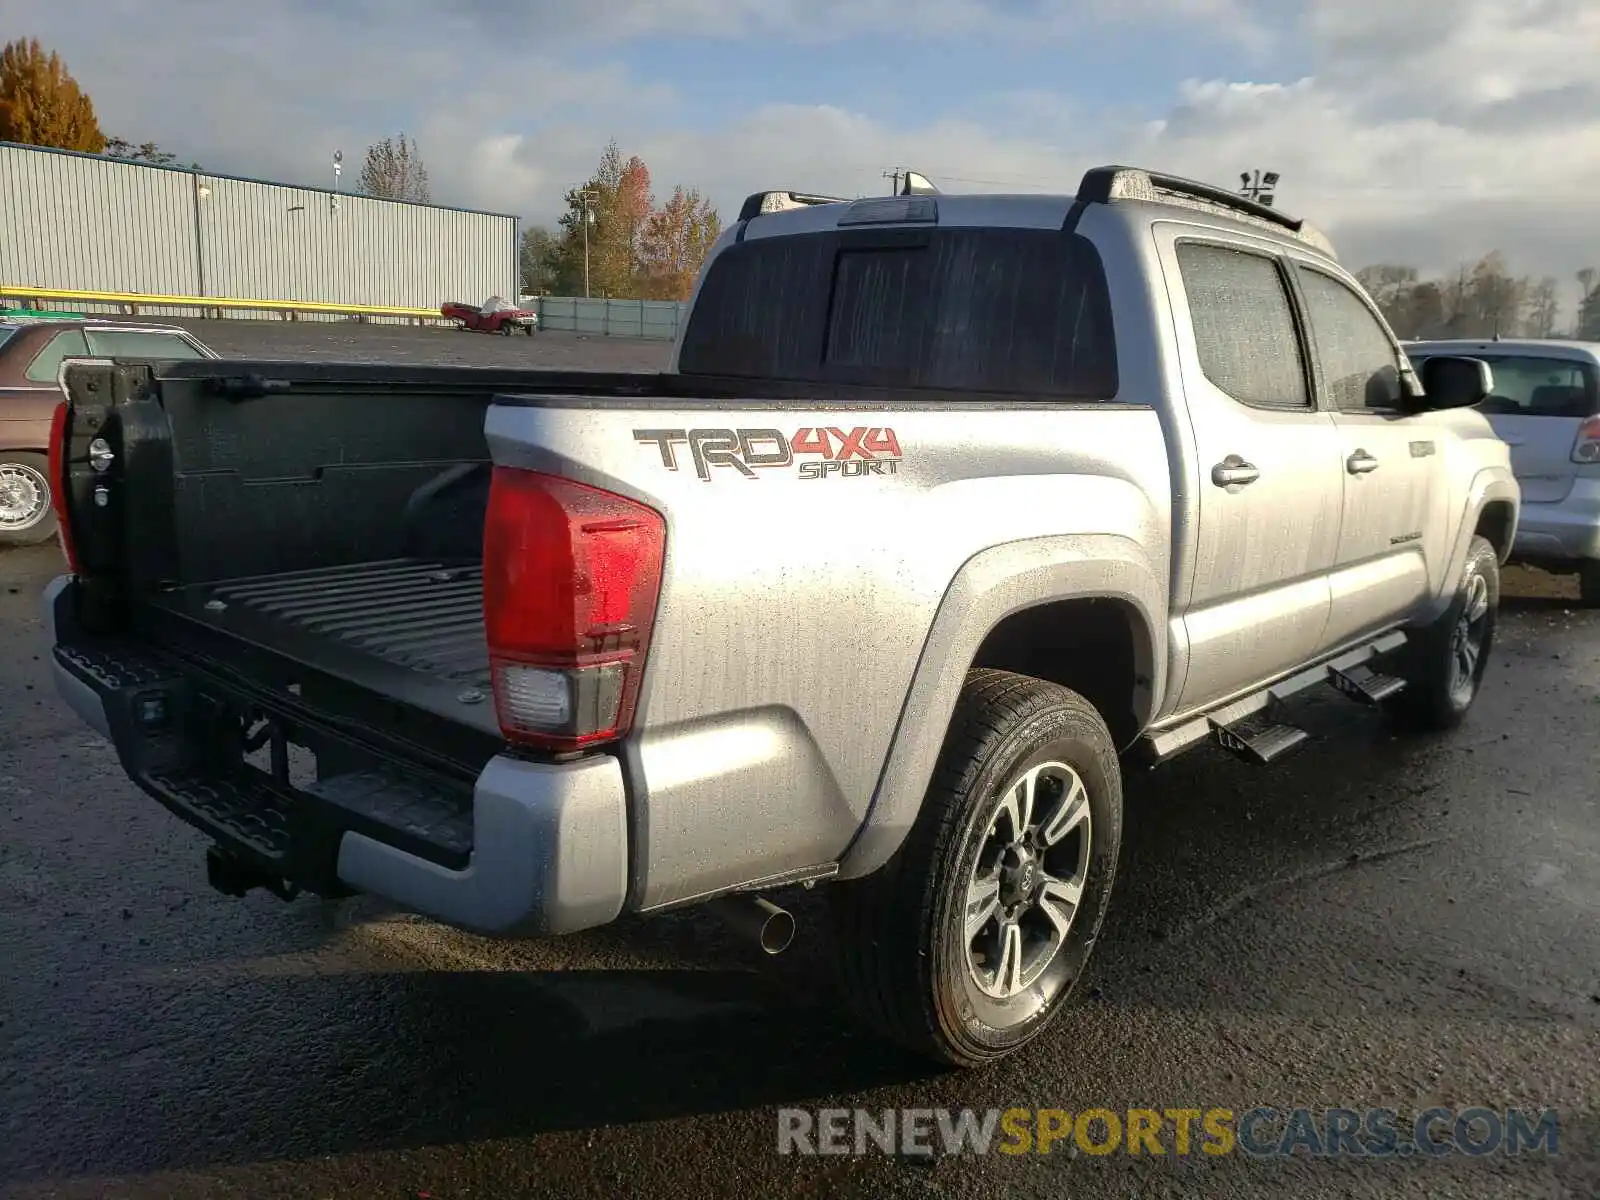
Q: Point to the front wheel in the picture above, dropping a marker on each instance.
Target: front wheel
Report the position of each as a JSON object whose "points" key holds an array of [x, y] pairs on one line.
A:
{"points": [[27, 514], [967, 942], [1444, 664]]}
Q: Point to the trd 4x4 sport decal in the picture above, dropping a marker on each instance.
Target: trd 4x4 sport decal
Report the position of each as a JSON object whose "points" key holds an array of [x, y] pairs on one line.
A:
{"points": [[864, 450]]}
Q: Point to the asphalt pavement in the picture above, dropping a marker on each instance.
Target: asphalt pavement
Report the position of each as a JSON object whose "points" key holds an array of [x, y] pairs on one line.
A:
{"points": [[1377, 922]]}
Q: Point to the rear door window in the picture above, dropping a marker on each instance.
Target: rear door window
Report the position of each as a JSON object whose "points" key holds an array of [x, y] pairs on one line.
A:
{"points": [[1008, 311], [1244, 328], [47, 363]]}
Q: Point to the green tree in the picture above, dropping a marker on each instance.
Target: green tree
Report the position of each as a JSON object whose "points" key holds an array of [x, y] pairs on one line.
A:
{"points": [[537, 260], [1588, 305], [144, 152], [41, 104]]}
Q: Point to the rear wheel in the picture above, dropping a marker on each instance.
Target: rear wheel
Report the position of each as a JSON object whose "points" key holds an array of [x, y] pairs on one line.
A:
{"points": [[965, 945], [1443, 665], [26, 512]]}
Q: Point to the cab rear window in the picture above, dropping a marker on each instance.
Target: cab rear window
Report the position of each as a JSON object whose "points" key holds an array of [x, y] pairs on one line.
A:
{"points": [[1004, 311]]}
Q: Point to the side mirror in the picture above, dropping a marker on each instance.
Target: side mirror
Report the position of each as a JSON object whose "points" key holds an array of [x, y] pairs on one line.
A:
{"points": [[1451, 382]]}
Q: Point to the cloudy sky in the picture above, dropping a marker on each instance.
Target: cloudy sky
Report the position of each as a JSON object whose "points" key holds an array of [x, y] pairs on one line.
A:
{"points": [[1426, 131]]}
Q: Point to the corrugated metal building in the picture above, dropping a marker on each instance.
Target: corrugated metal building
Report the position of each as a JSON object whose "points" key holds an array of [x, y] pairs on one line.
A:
{"points": [[82, 222]]}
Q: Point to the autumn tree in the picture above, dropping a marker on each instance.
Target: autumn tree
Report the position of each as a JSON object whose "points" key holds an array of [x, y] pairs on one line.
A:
{"points": [[1424, 310], [676, 240], [1498, 300], [394, 171], [1390, 287], [634, 249], [41, 104], [1544, 308], [1476, 300], [615, 203]]}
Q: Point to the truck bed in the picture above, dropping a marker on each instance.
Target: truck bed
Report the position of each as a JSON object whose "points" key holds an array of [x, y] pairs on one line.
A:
{"points": [[407, 628], [309, 530]]}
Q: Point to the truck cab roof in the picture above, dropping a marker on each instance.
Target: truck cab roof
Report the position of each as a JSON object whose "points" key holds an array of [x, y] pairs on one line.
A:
{"points": [[1139, 194]]}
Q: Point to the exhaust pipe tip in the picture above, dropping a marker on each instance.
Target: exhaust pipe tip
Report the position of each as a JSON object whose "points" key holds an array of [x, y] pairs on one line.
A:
{"points": [[777, 931], [773, 928]]}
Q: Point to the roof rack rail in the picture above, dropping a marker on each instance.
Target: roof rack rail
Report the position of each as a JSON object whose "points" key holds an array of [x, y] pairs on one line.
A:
{"points": [[1103, 185], [769, 202]]}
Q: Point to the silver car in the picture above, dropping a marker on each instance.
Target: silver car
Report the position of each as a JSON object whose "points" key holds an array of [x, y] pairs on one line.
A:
{"points": [[1546, 407]]}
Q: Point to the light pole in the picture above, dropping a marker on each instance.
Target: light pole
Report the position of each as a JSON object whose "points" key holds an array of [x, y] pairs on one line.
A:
{"points": [[338, 167], [586, 197]]}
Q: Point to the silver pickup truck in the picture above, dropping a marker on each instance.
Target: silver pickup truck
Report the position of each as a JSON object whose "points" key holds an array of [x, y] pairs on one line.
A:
{"points": [[950, 506]]}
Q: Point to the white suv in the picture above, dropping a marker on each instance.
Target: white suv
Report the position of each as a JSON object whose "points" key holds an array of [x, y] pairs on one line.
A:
{"points": [[1546, 407]]}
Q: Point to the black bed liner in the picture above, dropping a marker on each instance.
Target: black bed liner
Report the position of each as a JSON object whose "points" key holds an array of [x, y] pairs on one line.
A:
{"points": [[407, 629]]}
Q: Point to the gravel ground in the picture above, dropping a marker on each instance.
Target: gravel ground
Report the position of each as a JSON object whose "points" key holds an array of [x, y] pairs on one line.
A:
{"points": [[1376, 922]]}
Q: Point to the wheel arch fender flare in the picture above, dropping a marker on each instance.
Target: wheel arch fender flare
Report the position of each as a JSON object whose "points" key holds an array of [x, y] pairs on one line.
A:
{"points": [[1490, 486], [992, 585]]}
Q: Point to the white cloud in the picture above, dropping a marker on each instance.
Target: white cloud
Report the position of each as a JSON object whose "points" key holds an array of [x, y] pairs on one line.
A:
{"points": [[1423, 131]]}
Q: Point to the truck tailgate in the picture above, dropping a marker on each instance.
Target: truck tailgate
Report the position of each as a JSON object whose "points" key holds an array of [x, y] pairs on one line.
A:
{"points": [[408, 629]]}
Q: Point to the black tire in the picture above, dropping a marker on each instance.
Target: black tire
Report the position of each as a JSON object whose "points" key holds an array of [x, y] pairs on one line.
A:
{"points": [[1438, 694], [905, 958], [25, 479], [1589, 584], [508, 329]]}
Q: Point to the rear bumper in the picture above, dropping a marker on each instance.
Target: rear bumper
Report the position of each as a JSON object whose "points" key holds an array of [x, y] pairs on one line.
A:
{"points": [[530, 849], [1565, 531], [549, 853]]}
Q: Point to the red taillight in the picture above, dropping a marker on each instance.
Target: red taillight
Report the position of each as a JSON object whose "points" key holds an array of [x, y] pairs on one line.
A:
{"points": [[570, 580], [58, 481], [1586, 447]]}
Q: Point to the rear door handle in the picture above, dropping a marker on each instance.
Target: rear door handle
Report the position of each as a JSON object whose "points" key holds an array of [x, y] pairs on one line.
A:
{"points": [[1360, 463], [1233, 471]]}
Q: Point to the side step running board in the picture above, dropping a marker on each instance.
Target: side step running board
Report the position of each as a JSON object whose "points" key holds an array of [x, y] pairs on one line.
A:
{"points": [[1249, 727], [1364, 685], [1257, 742]]}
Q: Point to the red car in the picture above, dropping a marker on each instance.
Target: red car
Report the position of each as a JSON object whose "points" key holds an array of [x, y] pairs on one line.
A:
{"points": [[493, 316]]}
